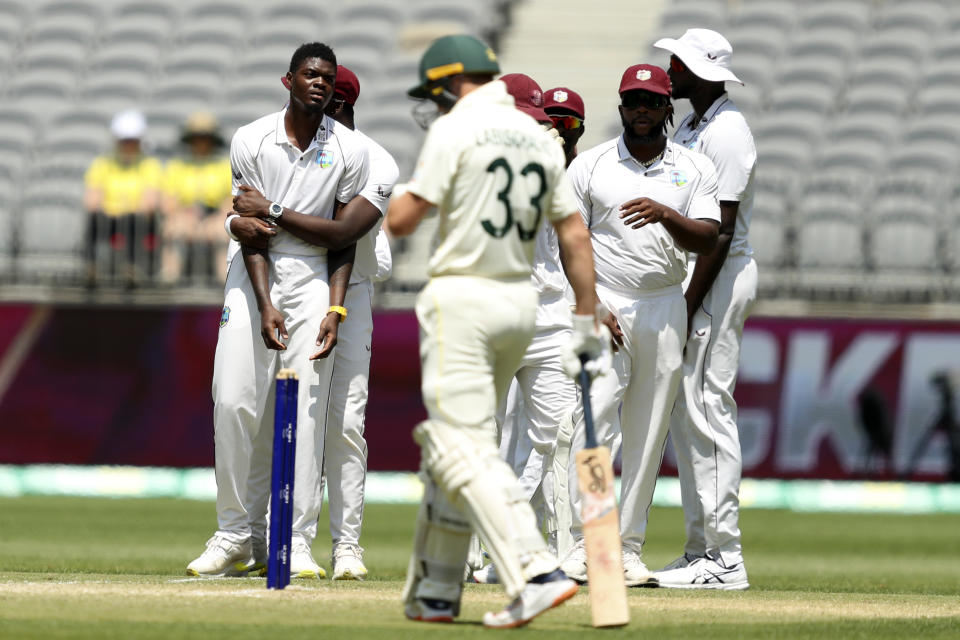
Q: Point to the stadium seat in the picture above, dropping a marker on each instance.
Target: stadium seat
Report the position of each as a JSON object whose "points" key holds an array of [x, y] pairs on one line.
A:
{"points": [[308, 12], [826, 42], [830, 253], [776, 14], [708, 14], [899, 74], [806, 97], [939, 101], [811, 67], [920, 15], [853, 15], [896, 44], [875, 101], [761, 39]]}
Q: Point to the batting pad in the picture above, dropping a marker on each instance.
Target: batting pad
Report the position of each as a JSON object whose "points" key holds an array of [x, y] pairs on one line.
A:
{"points": [[466, 465], [440, 547]]}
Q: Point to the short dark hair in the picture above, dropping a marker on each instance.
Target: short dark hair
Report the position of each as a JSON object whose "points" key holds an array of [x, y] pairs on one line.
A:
{"points": [[312, 50]]}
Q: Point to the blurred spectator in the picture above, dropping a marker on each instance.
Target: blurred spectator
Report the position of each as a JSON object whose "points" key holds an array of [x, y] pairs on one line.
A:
{"points": [[121, 200], [196, 197]]}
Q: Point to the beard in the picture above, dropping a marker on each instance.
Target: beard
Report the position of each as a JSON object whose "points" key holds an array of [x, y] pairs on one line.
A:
{"points": [[655, 132]]}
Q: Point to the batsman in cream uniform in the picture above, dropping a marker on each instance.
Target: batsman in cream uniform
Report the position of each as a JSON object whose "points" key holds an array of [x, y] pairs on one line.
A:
{"points": [[721, 291], [493, 174], [640, 272], [332, 169]]}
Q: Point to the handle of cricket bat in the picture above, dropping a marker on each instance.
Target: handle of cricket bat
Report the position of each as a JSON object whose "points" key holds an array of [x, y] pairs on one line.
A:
{"points": [[591, 434]]}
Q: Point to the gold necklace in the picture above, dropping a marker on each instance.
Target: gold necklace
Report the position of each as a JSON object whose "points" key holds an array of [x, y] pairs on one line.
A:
{"points": [[646, 164]]}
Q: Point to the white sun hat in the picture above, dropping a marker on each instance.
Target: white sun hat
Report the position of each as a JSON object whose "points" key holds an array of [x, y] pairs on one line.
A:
{"points": [[128, 125], [706, 53]]}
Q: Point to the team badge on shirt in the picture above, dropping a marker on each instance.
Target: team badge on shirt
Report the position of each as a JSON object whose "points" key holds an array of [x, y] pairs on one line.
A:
{"points": [[224, 316], [325, 158], [678, 178]]}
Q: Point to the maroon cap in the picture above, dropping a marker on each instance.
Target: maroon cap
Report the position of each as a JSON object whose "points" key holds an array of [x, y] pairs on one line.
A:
{"points": [[563, 98], [527, 95], [646, 77], [347, 87]]}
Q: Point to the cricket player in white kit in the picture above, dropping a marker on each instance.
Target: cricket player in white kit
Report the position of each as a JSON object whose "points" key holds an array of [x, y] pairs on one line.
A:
{"points": [[721, 290], [294, 167], [646, 201], [493, 174], [345, 454]]}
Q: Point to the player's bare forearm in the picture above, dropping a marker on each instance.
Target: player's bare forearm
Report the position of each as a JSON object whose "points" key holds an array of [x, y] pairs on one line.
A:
{"points": [[258, 270], [272, 327], [356, 219], [576, 256], [696, 235], [405, 213], [350, 220], [339, 266], [709, 264]]}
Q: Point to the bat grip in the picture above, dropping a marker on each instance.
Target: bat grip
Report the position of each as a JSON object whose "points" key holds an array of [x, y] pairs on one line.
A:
{"points": [[590, 432]]}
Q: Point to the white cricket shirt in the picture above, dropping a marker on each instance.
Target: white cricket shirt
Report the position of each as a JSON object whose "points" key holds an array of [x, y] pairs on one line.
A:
{"points": [[723, 136], [607, 176], [495, 176], [334, 167], [373, 259]]}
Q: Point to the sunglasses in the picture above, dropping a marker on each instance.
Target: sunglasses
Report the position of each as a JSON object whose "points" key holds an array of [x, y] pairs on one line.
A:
{"points": [[566, 122], [676, 64], [646, 99]]}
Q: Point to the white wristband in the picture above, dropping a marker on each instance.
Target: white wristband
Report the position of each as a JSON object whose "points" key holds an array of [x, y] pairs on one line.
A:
{"points": [[226, 225]]}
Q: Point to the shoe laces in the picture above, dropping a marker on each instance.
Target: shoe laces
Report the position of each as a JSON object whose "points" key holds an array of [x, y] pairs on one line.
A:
{"points": [[577, 552], [347, 550], [219, 543]]}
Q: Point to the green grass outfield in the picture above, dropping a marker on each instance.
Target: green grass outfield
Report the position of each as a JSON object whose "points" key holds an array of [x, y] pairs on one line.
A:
{"points": [[114, 568]]}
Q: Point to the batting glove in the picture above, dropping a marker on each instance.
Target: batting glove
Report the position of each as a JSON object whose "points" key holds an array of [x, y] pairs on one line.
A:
{"points": [[592, 339], [553, 133]]}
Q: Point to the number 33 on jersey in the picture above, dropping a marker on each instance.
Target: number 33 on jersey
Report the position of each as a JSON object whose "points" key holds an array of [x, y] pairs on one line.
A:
{"points": [[485, 146]]}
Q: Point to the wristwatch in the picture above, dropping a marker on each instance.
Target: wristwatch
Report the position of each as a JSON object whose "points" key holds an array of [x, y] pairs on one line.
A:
{"points": [[275, 211]]}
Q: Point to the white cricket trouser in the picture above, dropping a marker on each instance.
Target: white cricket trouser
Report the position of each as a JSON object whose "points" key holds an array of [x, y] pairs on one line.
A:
{"points": [[704, 423], [540, 395], [474, 333], [345, 449], [645, 377], [243, 391]]}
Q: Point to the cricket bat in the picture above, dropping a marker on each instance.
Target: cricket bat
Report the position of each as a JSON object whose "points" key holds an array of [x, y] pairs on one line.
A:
{"points": [[601, 526]]}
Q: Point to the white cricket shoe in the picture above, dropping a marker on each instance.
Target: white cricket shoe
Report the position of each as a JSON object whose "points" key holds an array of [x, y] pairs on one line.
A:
{"points": [[550, 590], [704, 573], [302, 564], [221, 558], [575, 564], [635, 573], [429, 610], [680, 562], [348, 562], [486, 575]]}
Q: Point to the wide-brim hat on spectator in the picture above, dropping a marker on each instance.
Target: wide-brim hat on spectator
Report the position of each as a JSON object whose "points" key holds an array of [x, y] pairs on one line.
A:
{"points": [[527, 95], [706, 53], [563, 98], [128, 125], [202, 125]]}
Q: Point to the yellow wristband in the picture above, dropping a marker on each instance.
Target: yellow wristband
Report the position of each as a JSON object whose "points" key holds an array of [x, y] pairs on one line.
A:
{"points": [[341, 310]]}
